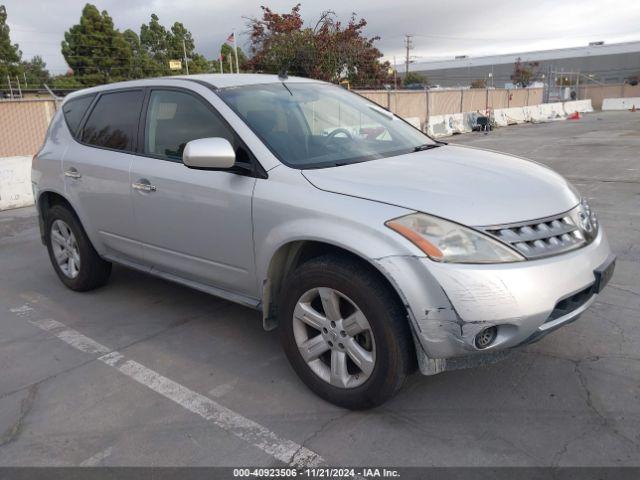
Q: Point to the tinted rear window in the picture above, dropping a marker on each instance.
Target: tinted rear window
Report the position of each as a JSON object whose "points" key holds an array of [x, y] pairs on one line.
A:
{"points": [[113, 122], [74, 111]]}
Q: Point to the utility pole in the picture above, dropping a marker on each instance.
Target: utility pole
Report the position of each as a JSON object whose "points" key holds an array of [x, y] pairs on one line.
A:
{"points": [[395, 74], [186, 60], [409, 46]]}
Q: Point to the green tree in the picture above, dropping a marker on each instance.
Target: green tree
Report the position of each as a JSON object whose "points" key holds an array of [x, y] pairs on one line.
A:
{"points": [[66, 82], [524, 72], [162, 45], [181, 41], [35, 72], [154, 40], [142, 65], [479, 83], [330, 51], [227, 52], [178, 35], [414, 78], [10, 54], [95, 50]]}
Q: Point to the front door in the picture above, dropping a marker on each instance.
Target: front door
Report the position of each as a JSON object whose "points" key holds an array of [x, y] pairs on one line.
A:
{"points": [[194, 224]]}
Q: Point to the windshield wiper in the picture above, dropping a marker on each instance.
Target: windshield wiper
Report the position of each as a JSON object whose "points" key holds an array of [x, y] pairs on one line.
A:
{"points": [[428, 146]]}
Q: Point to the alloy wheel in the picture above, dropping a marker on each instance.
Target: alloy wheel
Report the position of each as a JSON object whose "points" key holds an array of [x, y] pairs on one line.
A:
{"points": [[65, 249], [334, 337]]}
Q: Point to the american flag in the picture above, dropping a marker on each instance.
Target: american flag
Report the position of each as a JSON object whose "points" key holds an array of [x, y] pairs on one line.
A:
{"points": [[230, 39]]}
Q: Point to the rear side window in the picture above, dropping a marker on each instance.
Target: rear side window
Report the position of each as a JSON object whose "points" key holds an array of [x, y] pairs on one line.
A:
{"points": [[175, 118], [113, 122], [74, 111]]}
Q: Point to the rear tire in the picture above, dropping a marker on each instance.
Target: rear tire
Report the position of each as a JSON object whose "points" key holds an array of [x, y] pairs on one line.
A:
{"points": [[74, 259], [383, 337]]}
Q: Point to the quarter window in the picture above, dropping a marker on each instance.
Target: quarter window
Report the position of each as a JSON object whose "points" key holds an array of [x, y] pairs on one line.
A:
{"points": [[74, 110], [175, 118], [113, 122]]}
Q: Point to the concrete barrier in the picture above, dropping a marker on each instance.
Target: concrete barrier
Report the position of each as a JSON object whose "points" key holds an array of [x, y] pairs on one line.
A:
{"points": [[620, 103], [15, 182], [533, 114], [438, 127], [499, 117], [516, 115], [580, 106], [456, 122], [552, 111], [449, 124]]}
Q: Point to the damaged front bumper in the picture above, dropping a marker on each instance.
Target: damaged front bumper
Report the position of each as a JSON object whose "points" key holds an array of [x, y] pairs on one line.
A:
{"points": [[449, 304]]}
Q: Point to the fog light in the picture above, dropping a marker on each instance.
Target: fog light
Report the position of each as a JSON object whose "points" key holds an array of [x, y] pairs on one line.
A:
{"points": [[486, 337]]}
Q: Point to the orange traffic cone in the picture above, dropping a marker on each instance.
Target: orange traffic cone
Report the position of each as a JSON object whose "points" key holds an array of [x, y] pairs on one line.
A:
{"points": [[633, 109], [574, 116]]}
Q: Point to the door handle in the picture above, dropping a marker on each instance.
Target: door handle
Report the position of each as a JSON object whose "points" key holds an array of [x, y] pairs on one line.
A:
{"points": [[72, 173], [144, 186]]}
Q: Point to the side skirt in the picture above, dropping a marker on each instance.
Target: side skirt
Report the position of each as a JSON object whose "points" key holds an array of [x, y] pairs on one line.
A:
{"points": [[218, 292]]}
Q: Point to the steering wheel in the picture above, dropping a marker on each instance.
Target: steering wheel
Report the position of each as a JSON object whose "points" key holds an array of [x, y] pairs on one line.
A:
{"points": [[337, 131]]}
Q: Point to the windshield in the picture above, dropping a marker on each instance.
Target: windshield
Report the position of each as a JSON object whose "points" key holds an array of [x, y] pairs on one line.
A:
{"points": [[314, 125]]}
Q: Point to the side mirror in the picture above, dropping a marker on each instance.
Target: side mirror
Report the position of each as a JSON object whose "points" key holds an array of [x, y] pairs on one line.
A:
{"points": [[214, 153]]}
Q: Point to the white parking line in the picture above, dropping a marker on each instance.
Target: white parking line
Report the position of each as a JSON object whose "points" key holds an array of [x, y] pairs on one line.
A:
{"points": [[71, 336], [96, 459], [284, 450], [221, 390], [259, 436]]}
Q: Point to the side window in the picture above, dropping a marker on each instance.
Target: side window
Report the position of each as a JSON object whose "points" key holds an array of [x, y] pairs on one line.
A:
{"points": [[74, 111], [175, 118], [113, 122]]}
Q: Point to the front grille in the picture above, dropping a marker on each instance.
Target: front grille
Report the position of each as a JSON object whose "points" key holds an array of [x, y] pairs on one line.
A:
{"points": [[541, 238], [569, 304]]}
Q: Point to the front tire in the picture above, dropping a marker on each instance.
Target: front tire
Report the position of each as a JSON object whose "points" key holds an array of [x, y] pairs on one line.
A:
{"points": [[345, 332], [74, 259]]}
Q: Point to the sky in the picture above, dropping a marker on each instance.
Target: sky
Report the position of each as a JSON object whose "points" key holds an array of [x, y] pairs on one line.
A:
{"points": [[441, 29]]}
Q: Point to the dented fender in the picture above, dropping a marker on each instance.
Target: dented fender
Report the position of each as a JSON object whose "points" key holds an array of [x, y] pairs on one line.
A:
{"points": [[442, 339], [435, 323]]}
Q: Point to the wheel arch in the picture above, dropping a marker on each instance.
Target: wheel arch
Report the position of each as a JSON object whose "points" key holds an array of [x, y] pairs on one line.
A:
{"points": [[294, 253], [44, 202]]}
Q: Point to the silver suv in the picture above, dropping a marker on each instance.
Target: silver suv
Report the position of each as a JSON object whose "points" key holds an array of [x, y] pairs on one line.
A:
{"points": [[374, 249]]}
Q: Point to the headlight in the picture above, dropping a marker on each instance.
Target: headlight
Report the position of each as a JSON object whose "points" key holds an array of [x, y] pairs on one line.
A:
{"points": [[587, 220], [445, 241]]}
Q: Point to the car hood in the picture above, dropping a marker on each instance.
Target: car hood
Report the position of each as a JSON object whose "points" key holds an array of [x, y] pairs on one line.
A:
{"points": [[467, 185]]}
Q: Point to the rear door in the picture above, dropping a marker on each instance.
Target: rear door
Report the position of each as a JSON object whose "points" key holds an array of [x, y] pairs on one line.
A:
{"points": [[194, 224], [96, 170]]}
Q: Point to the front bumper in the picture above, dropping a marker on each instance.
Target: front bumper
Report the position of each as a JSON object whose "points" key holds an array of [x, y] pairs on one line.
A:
{"points": [[449, 304]]}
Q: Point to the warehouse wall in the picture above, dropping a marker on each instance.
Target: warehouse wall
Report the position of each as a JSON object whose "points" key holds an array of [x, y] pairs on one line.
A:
{"points": [[614, 68]]}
